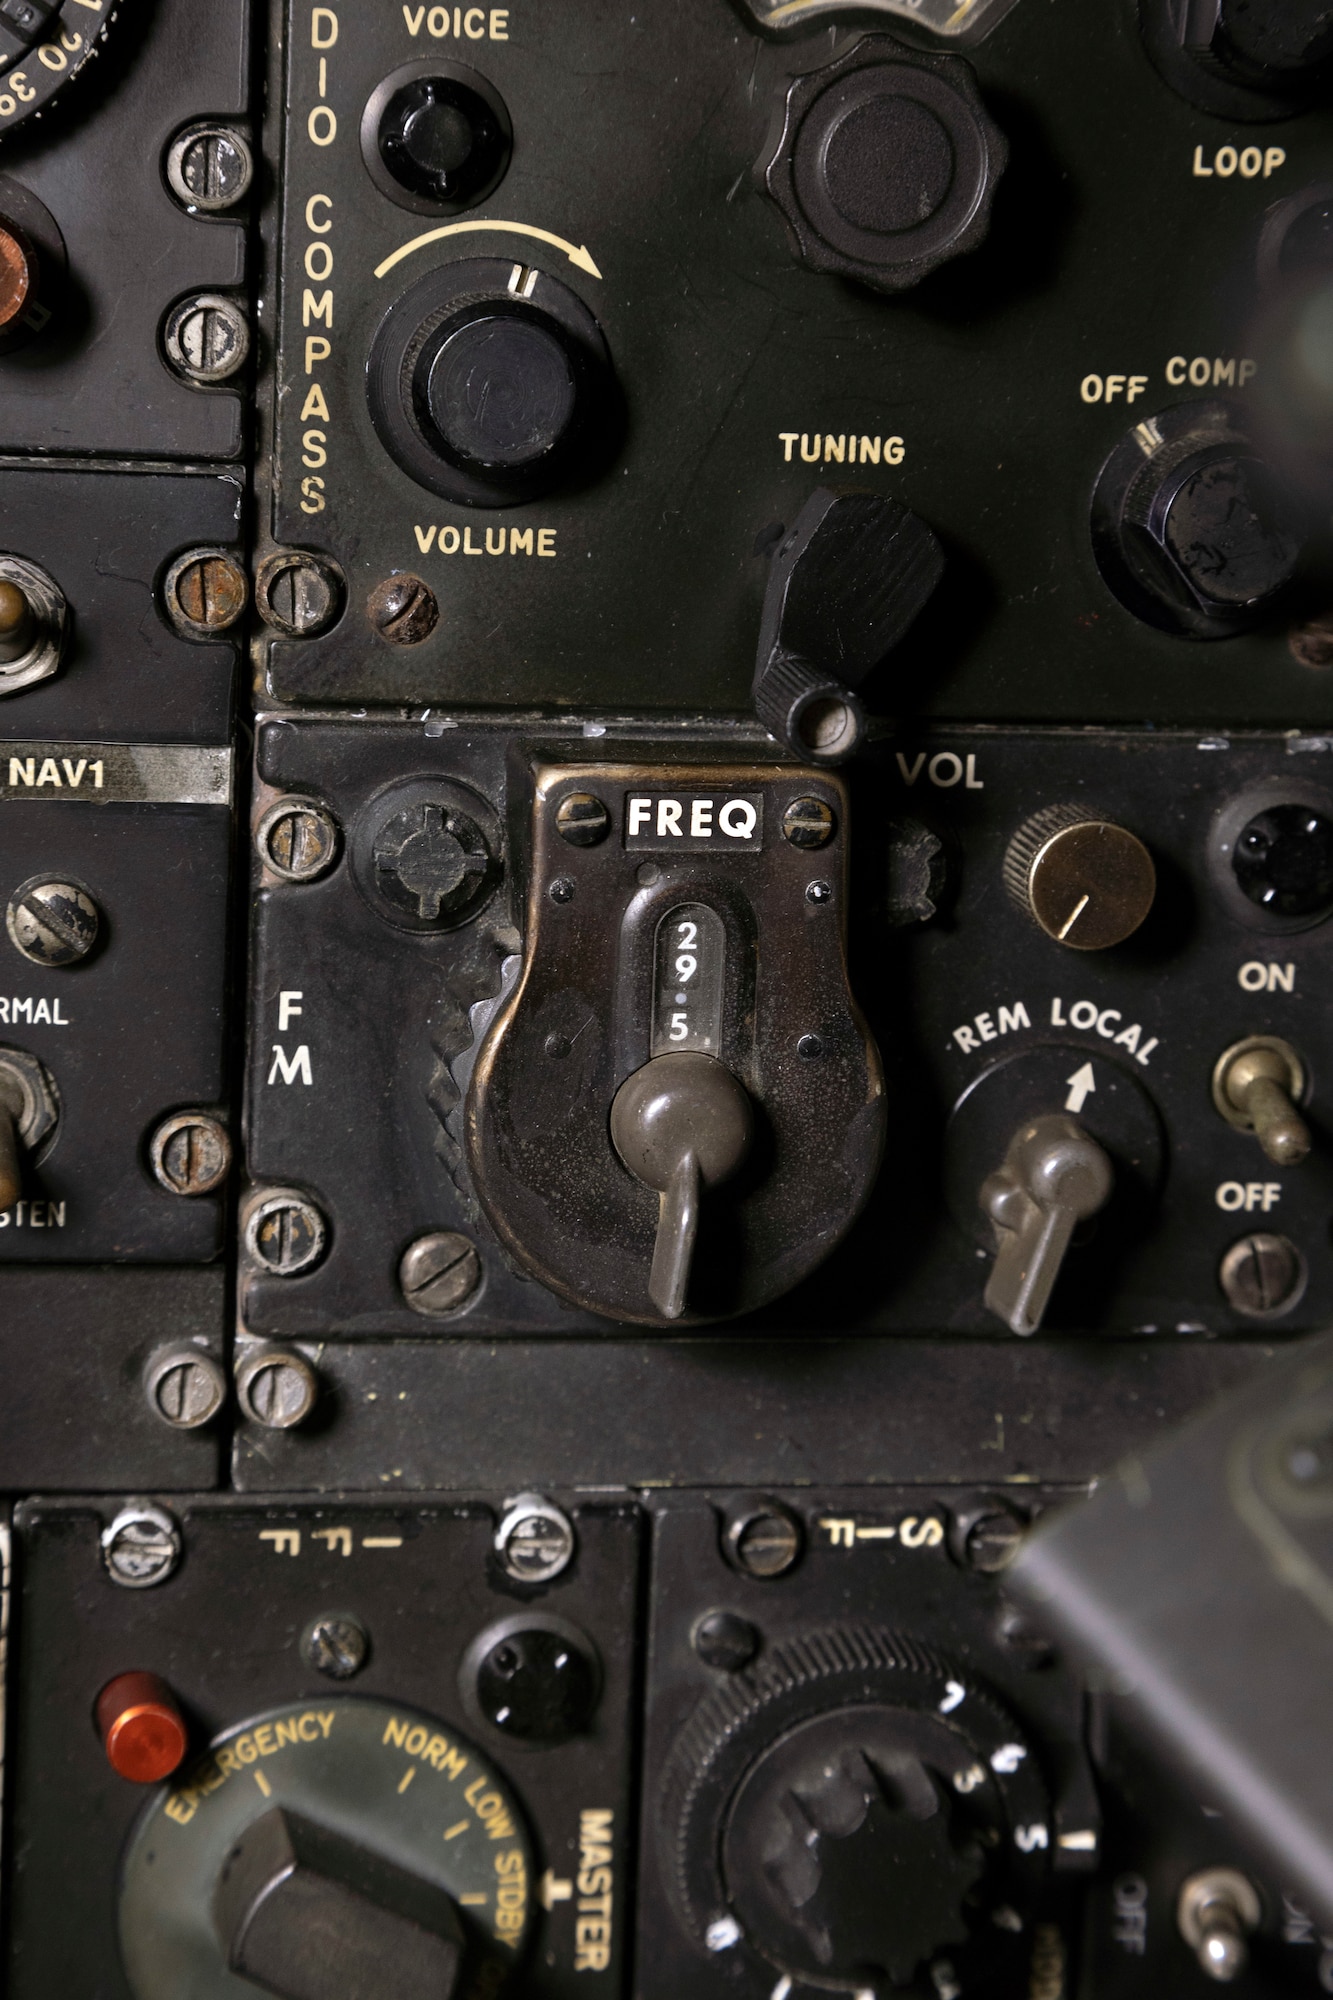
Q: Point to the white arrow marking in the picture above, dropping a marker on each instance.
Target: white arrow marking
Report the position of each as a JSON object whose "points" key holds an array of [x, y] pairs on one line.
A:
{"points": [[553, 1891], [1081, 1086], [576, 252]]}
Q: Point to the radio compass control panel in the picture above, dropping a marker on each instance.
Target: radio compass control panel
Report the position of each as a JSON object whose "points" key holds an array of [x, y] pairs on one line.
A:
{"points": [[666, 793]]}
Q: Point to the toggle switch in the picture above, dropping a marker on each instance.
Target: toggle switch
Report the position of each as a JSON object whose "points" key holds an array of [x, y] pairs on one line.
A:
{"points": [[28, 1112], [1257, 1085], [681, 1124], [1054, 1176], [844, 586], [1214, 1912]]}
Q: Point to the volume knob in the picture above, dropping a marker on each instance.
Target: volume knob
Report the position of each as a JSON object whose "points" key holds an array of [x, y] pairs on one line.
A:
{"points": [[1088, 882]]}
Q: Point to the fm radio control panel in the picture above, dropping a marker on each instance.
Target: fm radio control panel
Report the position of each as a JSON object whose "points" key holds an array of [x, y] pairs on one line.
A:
{"points": [[666, 799]]}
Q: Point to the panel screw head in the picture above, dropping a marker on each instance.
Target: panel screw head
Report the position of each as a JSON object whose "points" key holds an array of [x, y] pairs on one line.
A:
{"points": [[206, 338], [1262, 1275], [440, 1273], [761, 1539], [297, 839], [335, 1644], [403, 610], [297, 594], [809, 823], [819, 892], [52, 923], [205, 592], [582, 819], [285, 1233], [276, 1387], [142, 1546], [535, 1540], [185, 1386], [209, 167], [810, 1048], [190, 1153], [992, 1543], [726, 1641], [561, 890]]}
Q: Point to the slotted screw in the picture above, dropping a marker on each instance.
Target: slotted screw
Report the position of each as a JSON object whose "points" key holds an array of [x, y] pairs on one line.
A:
{"points": [[206, 338], [205, 592], [297, 594], [403, 610], [298, 839], [186, 1387], [285, 1233], [141, 1547], [276, 1387], [52, 923], [440, 1272], [190, 1153], [210, 167]]}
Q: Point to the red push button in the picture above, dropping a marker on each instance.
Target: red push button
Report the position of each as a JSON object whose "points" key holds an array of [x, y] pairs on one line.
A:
{"points": [[142, 1728]]}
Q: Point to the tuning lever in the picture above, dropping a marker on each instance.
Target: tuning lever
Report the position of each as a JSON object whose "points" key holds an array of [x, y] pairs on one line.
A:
{"points": [[1054, 1177], [844, 586]]}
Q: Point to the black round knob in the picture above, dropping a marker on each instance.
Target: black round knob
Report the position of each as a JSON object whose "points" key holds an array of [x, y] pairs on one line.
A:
{"points": [[490, 383], [1283, 861], [1192, 531], [847, 1809], [501, 389], [436, 136], [1242, 58], [884, 163], [843, 1837]]}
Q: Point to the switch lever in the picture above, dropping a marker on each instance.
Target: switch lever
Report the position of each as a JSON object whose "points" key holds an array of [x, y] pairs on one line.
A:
{"points": [[1054, 1176], [1257, 1085], [844, 586], [681, 1124]]}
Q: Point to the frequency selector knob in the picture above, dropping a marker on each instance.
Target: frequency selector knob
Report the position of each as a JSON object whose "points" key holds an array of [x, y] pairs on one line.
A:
{"points": [[1248, 59], [883, 163], [1088, 882]]}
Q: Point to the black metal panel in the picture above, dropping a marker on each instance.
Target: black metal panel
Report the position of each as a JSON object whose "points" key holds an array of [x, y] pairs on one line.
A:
{"points": [[74, 1344]]}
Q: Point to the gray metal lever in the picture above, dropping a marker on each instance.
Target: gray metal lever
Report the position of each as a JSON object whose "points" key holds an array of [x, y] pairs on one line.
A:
{"points": [[681, 1123], [1054, 1176]]}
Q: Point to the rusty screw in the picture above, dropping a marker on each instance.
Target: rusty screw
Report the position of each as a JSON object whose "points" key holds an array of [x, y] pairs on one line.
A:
{"points": [[276, 1387], [403, 610], [209, 167], [206, 338], [1312, 643], [760, 1538], [297, 593], [809, 823], [142, 1546], [336, 1644], [205, 592], [190, 1153], [186, 1387], [440, 1273], [52, 923], [285, 1233], [297, 839], [582, 819], [1262, 1275]]}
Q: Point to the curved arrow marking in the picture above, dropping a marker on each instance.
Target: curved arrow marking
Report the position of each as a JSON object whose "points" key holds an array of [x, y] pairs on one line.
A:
{"points": [[576, 252]]}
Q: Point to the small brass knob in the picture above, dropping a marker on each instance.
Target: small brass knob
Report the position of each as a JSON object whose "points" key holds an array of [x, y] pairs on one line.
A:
{"points": [[1088, 882]]}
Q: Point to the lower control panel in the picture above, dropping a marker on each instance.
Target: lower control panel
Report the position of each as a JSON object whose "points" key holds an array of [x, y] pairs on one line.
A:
{"points": [[450, 1748]]}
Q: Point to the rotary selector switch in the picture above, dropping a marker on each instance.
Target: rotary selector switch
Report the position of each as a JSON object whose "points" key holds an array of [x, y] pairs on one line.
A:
{"points": [[850, 1811], [339, 1846], [1191, 530], [43, 46], [1245, 59], [884, 163], [490, 384]]}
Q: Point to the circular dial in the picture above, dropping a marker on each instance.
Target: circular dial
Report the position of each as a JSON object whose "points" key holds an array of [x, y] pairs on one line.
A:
{"points": [[849, 1808], [884, 163], [1088, 882], [323, 1842], [43, 46], [1190, 528], [490, 383]]}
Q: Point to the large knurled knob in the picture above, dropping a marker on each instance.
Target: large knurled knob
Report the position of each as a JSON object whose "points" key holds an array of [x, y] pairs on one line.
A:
{"points": [[1088, 882]]}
